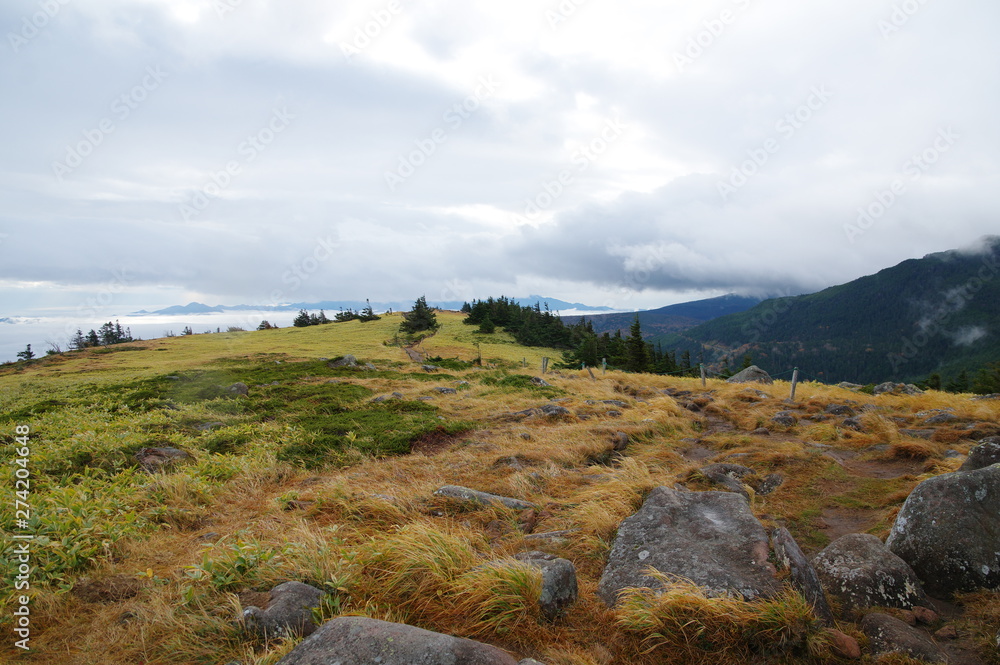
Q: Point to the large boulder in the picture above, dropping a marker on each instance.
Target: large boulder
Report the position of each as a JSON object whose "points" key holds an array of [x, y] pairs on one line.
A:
{"points": [[861, 572], [710, 538], [804, 577], [751, 374], [985, 454], [288, 612], [363, 641], [158, 459], [888, 634], [948, 530]]}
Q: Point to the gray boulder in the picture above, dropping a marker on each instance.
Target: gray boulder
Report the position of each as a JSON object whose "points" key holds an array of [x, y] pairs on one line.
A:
{"points": [[555, 410], [619, 441], [728, 476], [157, 459], [839, 410], [485, 498], [559, 585], [804, 577], [239, 389], [364, 641], [897, 389], [849, 386], [751, 374], [539, 381], [985, 454], [346, 361], [861, 572], [888, 634], [948, 530], [785, 419], [445, 391], [711, 538], [288, 612]]}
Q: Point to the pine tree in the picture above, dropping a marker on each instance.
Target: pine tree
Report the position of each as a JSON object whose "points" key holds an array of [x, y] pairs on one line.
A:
{"points": [[265, 325], [487, 326], [321, 319], [637, 356], [419, 319], [302, 319], [27, 354], [368, 314], [78, 341], [93, 339]]}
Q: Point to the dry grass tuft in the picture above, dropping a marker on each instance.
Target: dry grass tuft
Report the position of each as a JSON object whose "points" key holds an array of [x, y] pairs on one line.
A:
{"points": [[682, 621]]}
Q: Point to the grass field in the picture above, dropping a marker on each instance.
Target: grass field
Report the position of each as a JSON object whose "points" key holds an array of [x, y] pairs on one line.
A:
{"points": [[306, 478]]}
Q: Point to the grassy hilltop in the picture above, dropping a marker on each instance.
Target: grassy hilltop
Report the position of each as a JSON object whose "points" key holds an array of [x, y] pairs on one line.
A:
{"points": [[307, 478]]}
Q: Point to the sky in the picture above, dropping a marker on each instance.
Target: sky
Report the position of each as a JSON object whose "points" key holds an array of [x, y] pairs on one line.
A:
{"points": [[629, 154]]}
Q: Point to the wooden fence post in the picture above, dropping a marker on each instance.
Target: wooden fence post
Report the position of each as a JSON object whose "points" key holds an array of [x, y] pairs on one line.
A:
{"points": [[545, 365], [795, 382], [702, 365]]}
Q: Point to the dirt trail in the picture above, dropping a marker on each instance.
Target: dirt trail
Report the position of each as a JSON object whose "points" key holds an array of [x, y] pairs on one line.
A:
{"points": [[415, 356]]}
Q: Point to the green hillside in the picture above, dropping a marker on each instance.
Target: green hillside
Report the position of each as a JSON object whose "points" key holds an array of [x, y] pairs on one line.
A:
{"points": [[938, 314]]}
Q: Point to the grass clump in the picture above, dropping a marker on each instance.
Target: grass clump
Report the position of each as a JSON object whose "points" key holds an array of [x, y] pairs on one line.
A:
{"points": [[684, 622]]}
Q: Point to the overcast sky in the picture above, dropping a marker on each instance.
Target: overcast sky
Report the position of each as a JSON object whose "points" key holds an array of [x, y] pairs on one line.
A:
{"points": [[630, 153]]}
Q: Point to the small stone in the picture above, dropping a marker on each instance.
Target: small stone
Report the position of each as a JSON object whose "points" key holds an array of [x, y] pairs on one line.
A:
{"points": [[924, 615], [346, 361], [761, 431], [948, 632], [445, 391], [539, 381], [239, 389], [843, 645], [619, 441]]}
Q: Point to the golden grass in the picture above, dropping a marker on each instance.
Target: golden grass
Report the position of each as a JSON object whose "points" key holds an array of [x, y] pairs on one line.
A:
{"points": [[377, 539]]}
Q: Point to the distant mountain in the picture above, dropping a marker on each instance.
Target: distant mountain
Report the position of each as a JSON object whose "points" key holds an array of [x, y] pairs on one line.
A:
{"points": [[336, 305], [190, 308], [938, 314], [672, 318], [556, 305]]}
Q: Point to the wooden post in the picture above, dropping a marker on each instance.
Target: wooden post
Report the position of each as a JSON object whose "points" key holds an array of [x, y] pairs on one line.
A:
{"points": [[604, 365], [545, 365], [524, 362], [795, 382], [702, 366], [591, 372]]}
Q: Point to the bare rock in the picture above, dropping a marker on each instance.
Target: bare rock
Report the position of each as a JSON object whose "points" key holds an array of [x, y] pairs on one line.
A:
{"points": [[804, 577], [619, 441], [751, 374], [288, 612], [948, 530], [346, 361], [983, 455], [539, 381], [861, 572], [364, 641], [157, 459], [711, 538], [485, 498], [890, 635], [839, 410], [843, 645], [559, 585], [785, 419], [239, 389]]}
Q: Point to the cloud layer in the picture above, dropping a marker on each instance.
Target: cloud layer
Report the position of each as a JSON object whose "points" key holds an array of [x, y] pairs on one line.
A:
{"points": [[631, 154]]}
